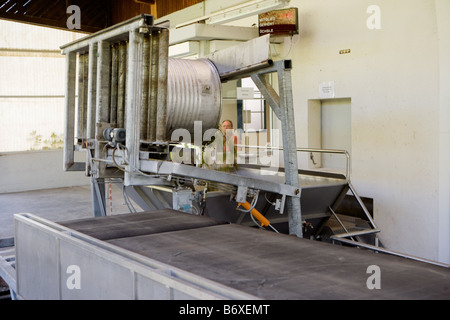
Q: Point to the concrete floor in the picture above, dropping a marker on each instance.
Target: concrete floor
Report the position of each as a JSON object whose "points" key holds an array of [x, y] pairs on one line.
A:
{"points": [[60, 204]]}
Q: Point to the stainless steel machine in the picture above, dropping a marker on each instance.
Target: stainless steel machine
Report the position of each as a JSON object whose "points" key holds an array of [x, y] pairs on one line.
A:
{"points": [[149, 123]]}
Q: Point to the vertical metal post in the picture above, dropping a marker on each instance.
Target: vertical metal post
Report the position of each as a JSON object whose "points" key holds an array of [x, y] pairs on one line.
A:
{"points": [[92, 77], [122, 85], [289, 148], [103, 82], [69, 102], [145, 87], [161, 125], [153, 88], [81, 109], [283, 107], [114, 84], [98, 192], [103, 107], [85, 94], [133, 101]]}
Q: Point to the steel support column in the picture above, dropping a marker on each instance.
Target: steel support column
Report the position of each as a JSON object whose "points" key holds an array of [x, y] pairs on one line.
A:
{"points": [[133, 100], [69, 111], [98, 192], [289, 150], [69, 127], [283, 107]]}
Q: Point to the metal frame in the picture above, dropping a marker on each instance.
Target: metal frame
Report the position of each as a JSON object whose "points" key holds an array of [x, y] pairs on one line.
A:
{"points": [[7, 270], [95, 107], [110, 65], [146, 88], [140, 82], [100, 262], [283, 107]]}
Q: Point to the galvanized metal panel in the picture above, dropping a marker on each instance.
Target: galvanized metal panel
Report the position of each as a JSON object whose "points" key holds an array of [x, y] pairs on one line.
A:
{"points": [[148, 289], [45, 250], [100, 276], [37, 270]]}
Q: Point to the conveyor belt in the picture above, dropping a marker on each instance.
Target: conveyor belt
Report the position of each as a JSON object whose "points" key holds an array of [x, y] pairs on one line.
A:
{"points": [[144, 223], [266, 264]]}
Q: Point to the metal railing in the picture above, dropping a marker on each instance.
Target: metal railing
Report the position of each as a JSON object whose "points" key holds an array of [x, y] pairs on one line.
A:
{"points": [[311, 150], [340, 237]]}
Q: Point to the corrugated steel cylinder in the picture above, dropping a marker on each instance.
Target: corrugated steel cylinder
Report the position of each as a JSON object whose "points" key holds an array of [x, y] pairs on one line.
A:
{"points": [[194, 94]]}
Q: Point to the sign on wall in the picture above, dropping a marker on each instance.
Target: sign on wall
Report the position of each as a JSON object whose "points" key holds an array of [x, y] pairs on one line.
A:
{"points": [[282, 22]]}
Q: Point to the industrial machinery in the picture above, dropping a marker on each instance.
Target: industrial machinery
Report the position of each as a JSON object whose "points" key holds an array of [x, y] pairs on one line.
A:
{"points": [[150, 124]]}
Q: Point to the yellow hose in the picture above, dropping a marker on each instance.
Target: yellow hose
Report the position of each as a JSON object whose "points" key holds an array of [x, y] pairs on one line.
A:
{"points": [[256, 214]]}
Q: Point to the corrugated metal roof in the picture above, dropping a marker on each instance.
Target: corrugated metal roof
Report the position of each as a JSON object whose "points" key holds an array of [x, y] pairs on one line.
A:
{"points": [[54, 13], [96, 15]]}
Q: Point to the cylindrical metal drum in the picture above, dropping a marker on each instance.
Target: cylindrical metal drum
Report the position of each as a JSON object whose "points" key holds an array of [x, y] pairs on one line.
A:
{"points": [[194, 94]]}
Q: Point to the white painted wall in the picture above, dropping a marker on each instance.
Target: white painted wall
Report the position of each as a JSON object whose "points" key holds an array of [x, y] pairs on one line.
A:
{"points": [[34, 102], [397, 76], [35, 170], [443, 234]]}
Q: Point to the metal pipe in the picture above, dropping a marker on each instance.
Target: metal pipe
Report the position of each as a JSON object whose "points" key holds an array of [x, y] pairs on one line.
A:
{"points": [[344, 152], [145, 86], [85, 96], [361, 203], [121, 85], [133, 101], [335, 151], [103, 83], [114, 83], [356, 233], [81, 108], [163, 54], [118, 32], [243, 72], [383, 250], [153, 86], [69, 102], [339, 220], [92, 77]]}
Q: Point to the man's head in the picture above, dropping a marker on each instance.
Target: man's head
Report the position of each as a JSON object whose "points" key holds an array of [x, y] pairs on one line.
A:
{"points": [[226, 125]]}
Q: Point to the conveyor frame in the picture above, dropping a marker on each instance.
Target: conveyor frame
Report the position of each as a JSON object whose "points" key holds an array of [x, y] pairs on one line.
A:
{"points": [[204, 260], [113, 273]]}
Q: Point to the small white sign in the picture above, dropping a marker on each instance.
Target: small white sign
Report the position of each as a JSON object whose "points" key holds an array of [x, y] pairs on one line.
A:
{"points": [[326, 90], [245, 93]]}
